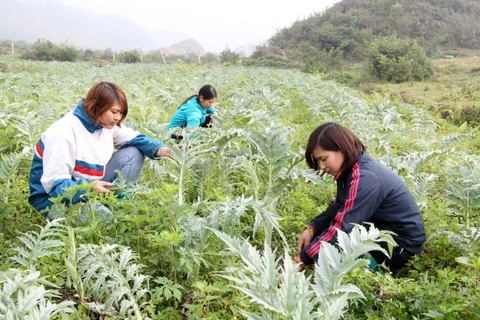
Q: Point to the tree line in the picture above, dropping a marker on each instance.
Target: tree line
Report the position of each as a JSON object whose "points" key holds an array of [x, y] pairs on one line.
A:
{"points": [[45, 50]]}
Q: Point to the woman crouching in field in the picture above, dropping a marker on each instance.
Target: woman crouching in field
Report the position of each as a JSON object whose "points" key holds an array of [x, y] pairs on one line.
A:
{"points": [[367, 191], [80, 147], [195, 111]]}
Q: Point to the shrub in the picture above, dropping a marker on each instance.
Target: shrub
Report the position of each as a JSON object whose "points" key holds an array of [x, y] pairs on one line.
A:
{"points": [[107, 54], [274, 57], [321, 60], [131, 56], [4, 67], [468, 114], [229, 56], [65, 53], [398, 60], [210, 58], [43, 50]]}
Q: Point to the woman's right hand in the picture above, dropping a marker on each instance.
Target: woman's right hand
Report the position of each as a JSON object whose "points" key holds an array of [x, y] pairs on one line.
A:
{"points": [[101, 186], [164, 152], [304, 239]]}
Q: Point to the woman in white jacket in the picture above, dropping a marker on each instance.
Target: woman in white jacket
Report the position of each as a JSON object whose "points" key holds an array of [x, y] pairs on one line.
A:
{"points": [[80, 147]]}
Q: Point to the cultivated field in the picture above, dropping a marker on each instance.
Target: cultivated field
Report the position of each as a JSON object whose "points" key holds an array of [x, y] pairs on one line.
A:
{"points": [[211, 233]]}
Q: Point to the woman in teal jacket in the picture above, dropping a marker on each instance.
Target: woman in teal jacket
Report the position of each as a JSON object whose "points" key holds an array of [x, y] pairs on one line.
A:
{"points": [[196, 110]]}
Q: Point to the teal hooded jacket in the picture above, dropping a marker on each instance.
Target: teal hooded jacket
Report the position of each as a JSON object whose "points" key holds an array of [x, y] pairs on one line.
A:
{"points": [[190, 114]]}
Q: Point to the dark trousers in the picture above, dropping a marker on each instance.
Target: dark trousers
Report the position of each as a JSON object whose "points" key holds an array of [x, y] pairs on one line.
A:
{"points": [[399, 257], [206, 124]]}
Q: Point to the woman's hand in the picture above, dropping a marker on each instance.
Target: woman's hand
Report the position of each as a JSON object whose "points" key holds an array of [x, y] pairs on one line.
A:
{"points": [[180, 146], [164, 152], [304, 239], [101, 186], [299, 265]]}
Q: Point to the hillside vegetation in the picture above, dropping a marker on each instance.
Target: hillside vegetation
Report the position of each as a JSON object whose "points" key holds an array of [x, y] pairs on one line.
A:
{"points": [[351, 23], [345, 32]]}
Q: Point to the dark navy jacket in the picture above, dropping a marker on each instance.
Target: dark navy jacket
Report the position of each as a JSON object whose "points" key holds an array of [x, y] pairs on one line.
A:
{"points": [[369, 192]]}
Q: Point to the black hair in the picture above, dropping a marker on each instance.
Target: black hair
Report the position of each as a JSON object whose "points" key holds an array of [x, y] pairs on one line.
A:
{"points": [[207, 92], [331, 136]]}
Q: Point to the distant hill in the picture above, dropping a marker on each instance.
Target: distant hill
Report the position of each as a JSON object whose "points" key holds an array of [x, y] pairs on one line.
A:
{"points": [[30, 21], [191, 46], [185, 47], [61, 24], [246, 50], [350, 23]]}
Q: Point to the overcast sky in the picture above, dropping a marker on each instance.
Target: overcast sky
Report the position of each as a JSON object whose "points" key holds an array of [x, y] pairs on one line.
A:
{"points": [[215, 23]]}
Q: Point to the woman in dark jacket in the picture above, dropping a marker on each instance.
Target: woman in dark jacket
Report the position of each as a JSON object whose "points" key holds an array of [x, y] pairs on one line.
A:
{"points": [[367, 191]]}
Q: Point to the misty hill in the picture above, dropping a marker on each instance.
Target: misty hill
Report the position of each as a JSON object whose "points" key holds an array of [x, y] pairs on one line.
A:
{"points": [[350, 23], [246, 50], [185, 47], [30, 21], [191, 46]]}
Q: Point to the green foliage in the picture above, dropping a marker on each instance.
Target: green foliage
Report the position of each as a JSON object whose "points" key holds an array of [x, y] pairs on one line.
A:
{"points": [[4, 67], [107, 54], [38, 245], [276, 286], [463, 192], [23, 296], [71, 265], [66, 53], [9, 164], [466, 114], [45, 50], [28, 128], [184, 160], [130, 56], [398, 60], [419, 295], [229, 56], [246, 178], [271, 56], [109, 273], [317, 61], [212, 301], [350, 23], [166, 290]]}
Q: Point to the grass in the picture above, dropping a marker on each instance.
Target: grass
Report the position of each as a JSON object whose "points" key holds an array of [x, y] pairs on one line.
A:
{"points": [[453, 93], [455, 82]]}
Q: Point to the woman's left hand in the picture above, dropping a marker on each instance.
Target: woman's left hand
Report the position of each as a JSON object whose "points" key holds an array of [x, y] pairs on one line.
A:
{"points": [[304, 239], [164, 152], [299, 265], [102, 186]]}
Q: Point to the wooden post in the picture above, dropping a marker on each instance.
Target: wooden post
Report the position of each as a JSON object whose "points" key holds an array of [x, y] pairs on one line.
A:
{"points": [[163, 58], [161, 55], [13, 47]]}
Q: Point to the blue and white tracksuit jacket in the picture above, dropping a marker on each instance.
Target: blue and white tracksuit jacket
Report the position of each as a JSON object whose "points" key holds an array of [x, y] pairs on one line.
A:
{"points": [[369, 192], [74, 150]]}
